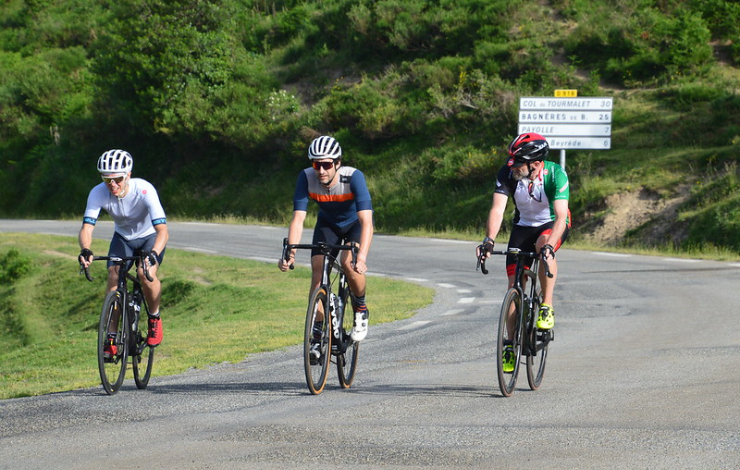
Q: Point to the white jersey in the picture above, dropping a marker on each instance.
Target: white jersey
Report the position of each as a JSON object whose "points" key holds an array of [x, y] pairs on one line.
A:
{"points": [[134, 216]]}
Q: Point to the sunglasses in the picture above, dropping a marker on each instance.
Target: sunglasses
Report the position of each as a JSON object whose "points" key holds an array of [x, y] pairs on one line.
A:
{"points": [[325, 165], [117, 179], [537, 198]]}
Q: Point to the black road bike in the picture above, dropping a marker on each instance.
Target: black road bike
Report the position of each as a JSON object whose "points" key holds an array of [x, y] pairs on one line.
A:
{"points": [[120, 326], [522, 302], [327, 330]]}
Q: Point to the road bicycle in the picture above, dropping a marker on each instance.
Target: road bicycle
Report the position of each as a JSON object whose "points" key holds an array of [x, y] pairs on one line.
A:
{"points": [[322, 339], [120, 326], [517, 326]]}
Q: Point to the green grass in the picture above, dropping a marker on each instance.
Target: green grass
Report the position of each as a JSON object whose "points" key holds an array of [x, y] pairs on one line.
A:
{"points": [[215, 310]]}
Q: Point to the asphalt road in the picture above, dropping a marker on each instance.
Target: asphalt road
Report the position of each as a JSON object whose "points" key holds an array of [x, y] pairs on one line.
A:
{"points": [[643, 374]]}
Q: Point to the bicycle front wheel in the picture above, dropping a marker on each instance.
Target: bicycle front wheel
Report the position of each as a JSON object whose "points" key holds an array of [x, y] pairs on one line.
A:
{"points": [[142, 358], [537, 345], [347, 361], [509, 342], [112, 367], [317, 341]]}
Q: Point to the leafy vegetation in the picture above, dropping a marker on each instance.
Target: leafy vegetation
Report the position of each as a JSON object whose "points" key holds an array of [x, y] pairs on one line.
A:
{"points": [[216, 310], [217, 101]]}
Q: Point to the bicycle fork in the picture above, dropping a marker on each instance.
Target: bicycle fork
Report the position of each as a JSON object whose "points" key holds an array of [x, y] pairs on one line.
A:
{"points": [[334, 306], [337, 310]]}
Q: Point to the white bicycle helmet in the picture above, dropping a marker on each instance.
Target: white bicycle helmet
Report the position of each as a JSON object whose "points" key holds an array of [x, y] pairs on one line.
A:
{"points": [[115, 162], [324, 147]]}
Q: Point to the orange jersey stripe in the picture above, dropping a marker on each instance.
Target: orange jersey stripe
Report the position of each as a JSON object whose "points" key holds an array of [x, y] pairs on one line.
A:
{"points": [[331, 197]]}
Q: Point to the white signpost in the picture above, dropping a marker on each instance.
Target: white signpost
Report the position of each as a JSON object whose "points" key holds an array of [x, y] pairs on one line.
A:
{"points": [[567, 121]]}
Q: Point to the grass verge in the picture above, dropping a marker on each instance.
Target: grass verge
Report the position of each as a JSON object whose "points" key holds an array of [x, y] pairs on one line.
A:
{"points": [[215, 310]]}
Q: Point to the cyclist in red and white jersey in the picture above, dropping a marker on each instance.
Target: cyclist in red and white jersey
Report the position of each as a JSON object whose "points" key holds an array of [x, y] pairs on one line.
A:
{"points": [[140, 227], [540, 190]]}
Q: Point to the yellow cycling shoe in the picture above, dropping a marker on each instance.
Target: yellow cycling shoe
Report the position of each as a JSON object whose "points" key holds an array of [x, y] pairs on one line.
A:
{"points": [[508, 359], [546, 318]]}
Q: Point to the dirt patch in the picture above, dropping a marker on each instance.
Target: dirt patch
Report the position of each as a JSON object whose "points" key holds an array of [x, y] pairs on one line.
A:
{"points": [[630, 210], [59, 254]]}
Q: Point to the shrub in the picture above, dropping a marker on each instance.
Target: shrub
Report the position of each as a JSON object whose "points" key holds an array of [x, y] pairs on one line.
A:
{"points": [[13, 266], [722, 17], [643, 48]]}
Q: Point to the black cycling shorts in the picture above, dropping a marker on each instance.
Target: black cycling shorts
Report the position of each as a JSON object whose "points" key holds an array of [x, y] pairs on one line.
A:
{"points": [[525, 238], [324, 232]]}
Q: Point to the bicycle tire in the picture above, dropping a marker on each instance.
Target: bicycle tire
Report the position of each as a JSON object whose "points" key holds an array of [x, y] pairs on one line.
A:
{"points": [[507, 380], [347, 361], [142, 357], [317, 373], [538, 342], [112, 371]]}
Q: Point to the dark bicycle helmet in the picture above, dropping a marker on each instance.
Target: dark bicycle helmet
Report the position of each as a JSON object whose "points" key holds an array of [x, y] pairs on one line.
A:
{"points": [[324, 147], [529, 147]]}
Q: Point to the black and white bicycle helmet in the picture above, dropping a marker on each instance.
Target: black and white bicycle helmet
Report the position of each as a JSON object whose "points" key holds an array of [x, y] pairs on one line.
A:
{"points": [[115, 162], [324, 147]]}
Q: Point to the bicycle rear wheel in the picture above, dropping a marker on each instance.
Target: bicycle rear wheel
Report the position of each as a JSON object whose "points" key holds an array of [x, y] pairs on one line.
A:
{"points": [[505, 340], [317, 369], [347, 361], [538, 342], [112, 369], [142, 358]]}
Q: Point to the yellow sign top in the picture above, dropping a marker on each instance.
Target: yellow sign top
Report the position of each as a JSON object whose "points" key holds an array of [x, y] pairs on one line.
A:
{"points": [[566, 93]]}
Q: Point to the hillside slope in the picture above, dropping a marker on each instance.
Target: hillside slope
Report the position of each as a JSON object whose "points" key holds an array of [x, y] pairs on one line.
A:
{"points": [[218, 99]]}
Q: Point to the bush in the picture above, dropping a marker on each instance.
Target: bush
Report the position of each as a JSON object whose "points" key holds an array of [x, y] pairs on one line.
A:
{"points": [[652, 46], [13, 266], [722, 17]]}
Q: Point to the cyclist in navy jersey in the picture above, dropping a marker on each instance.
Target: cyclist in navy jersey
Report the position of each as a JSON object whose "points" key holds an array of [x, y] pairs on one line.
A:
{"points": [[140, 227], [345, 213], [540, 190]]}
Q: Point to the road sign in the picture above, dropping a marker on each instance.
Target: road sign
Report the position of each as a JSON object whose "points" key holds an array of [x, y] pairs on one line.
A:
{"points": [[584, 103], [580, 143], [574, 117], [569, 130], [566, 93], [568, 121]]}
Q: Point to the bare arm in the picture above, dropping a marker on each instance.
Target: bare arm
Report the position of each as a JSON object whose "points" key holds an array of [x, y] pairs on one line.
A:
{"points": [[163, 235], [493, 225], [85, 240], [366, 238], [295, 232], [496, 215], [560, 207]]}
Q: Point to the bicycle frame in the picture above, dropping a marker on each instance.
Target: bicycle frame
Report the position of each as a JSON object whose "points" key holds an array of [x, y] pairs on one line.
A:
{"points": [[327, 338], [518, 333], [331, 262], [528, 295], [122, 287], [121, 317]]}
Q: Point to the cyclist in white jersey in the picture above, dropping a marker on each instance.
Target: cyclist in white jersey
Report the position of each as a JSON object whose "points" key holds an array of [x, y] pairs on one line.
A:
{"points": [[140, 227]]}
